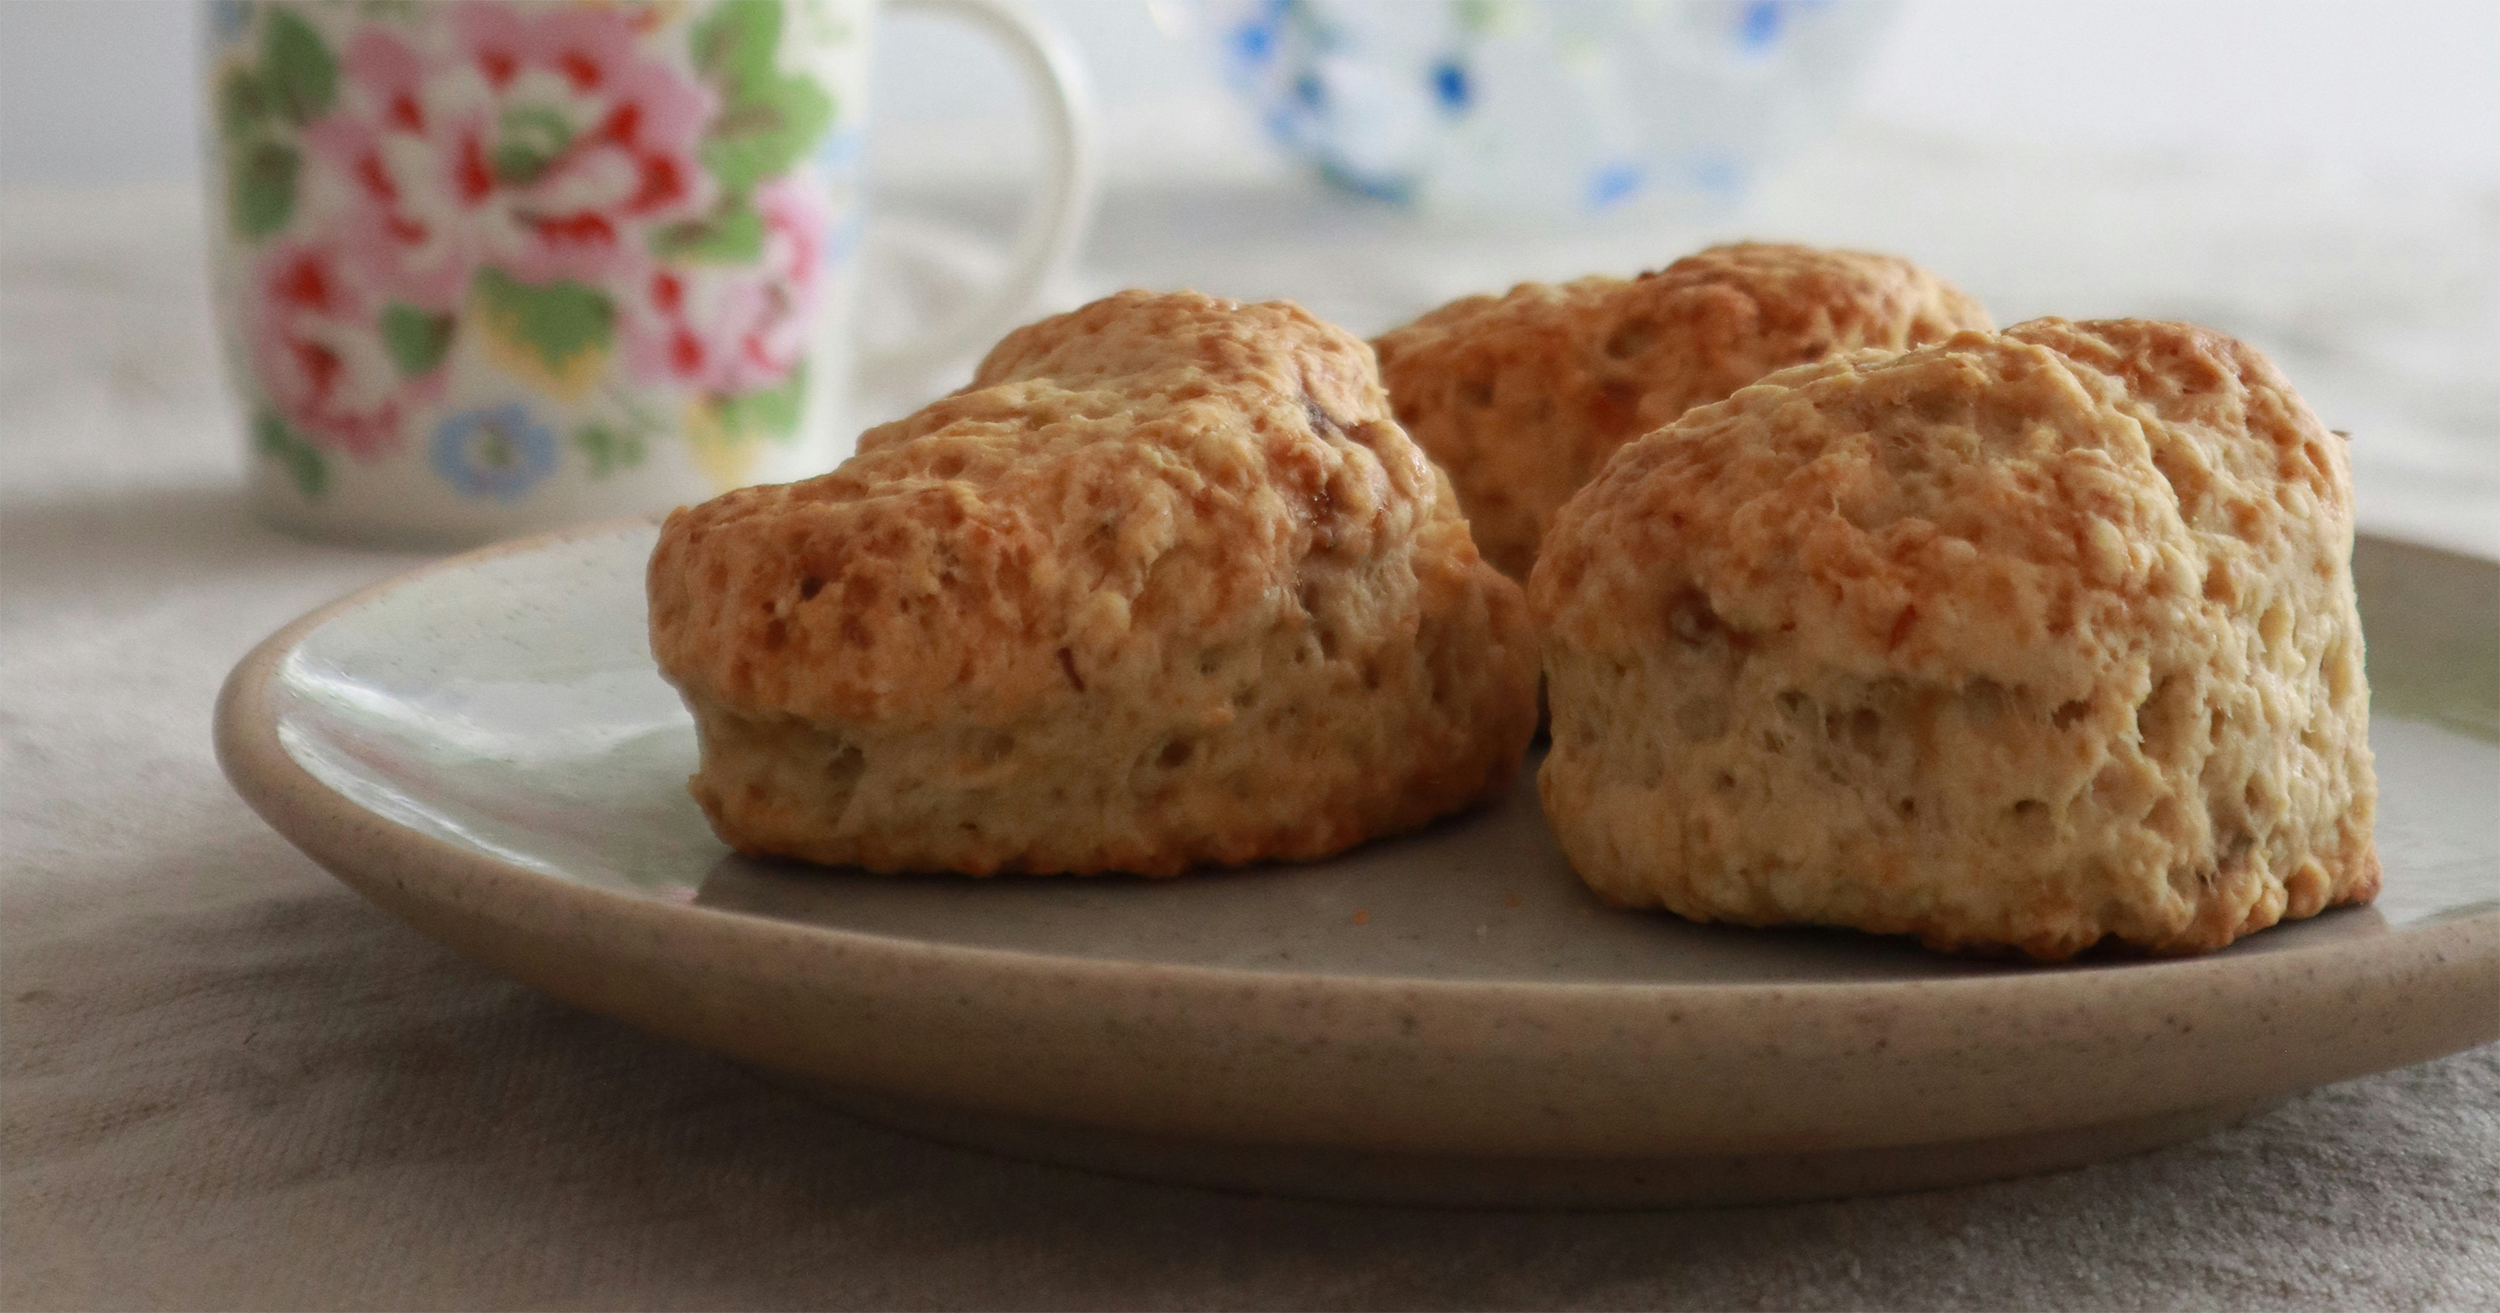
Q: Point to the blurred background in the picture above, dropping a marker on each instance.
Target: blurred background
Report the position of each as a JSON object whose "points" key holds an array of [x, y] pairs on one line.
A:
{"points": [[2323, 179], [102, 92]]}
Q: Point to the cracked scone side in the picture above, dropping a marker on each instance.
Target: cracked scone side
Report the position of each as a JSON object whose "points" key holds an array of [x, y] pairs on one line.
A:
{"points": [[1163, 586], [1523, 397], [2021, 641]]}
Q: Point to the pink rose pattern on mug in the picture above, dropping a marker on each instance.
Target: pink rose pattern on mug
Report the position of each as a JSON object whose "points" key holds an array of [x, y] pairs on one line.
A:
{"points": [[503, 241]]}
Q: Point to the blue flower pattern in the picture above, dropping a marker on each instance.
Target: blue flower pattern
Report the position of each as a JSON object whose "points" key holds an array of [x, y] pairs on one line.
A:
{"points": [[1325, 77], [1615, 183], [1759, 28], [498, 453]]}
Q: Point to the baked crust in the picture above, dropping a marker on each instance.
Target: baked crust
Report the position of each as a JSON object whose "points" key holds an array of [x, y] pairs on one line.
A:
{"points": [[1522, 397], [1163, 586], [2021, 641]]}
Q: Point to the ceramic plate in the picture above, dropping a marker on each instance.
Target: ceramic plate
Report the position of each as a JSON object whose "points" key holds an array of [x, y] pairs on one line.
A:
{"points": [[485, 749]]}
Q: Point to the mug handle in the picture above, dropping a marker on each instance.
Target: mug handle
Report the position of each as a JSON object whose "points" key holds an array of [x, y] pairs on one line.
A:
{"points": [[1072, 173]]}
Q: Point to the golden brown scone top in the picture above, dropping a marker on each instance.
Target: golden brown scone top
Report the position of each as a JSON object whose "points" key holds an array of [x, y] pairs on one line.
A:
{"points": [[1163, 587], [1522, 397], [2024, 639], [1151, 464], [1958, 506]]}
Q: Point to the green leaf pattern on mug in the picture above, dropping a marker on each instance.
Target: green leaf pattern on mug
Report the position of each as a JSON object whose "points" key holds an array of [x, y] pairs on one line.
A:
{"points": [[416, 340], [241, 104], [261, 184], [610, 448], [302, 461], [773, 411], [298, 73], [732, 234], [294, 83], [558, 321], [529, 139], [770, 126]]}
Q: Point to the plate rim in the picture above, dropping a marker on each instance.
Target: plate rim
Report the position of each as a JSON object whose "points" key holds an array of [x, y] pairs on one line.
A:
{"points": [[467, 897]]}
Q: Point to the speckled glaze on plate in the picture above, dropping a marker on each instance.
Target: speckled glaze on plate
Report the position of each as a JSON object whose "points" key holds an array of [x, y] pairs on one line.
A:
{"points": [[484, 748]]}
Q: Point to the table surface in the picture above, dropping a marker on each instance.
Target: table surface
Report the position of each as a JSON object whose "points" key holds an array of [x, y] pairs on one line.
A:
{"points": [[227, 1081]]}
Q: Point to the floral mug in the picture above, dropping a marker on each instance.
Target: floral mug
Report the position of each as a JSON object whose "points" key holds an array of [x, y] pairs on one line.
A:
{"points": [[491, 267]]}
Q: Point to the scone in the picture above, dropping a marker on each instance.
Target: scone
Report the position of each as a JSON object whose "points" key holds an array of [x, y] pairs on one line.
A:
{"points": [[1522, 397], [1165, 585], [2020, 641]]}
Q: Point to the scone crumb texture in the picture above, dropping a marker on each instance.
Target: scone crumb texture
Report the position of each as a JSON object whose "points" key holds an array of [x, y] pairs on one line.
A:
{"points": [[2023, 641], [1164, 586]]}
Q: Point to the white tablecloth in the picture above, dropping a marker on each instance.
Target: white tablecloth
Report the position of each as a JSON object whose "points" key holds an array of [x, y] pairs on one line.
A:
{"points": [[226, 1081]]}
